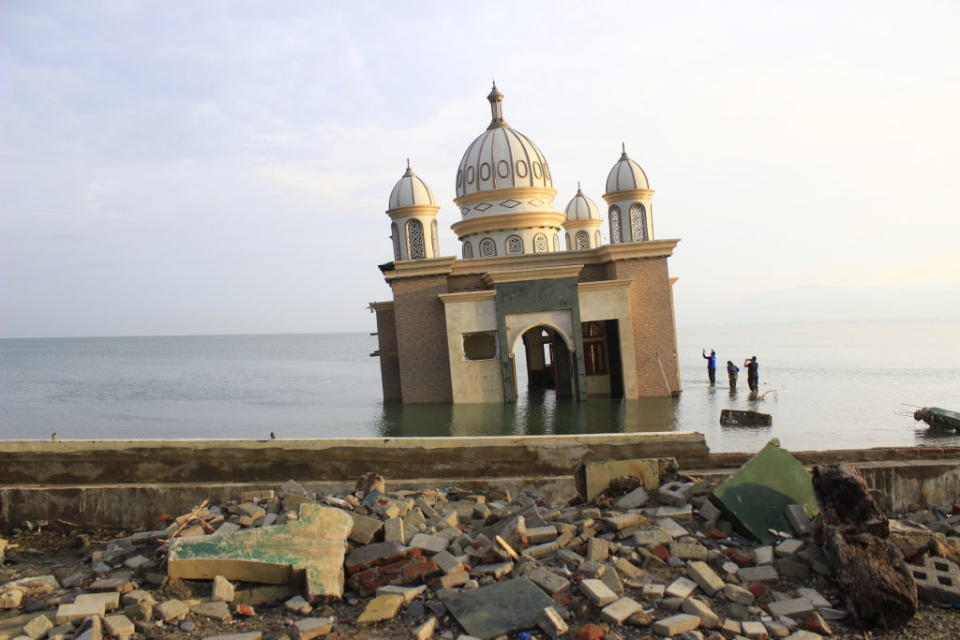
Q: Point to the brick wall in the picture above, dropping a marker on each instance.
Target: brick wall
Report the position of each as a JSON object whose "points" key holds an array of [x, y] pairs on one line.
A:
{"points": [[468, 282], [654, 328], [422, 339], [389, 361]]}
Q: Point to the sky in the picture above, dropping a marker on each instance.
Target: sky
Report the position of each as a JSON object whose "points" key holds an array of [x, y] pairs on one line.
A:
{"points": [[224, 167]]}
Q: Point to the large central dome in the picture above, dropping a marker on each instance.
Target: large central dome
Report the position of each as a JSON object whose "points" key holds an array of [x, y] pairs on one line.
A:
{"points": [[501, 158], [505, 193]]}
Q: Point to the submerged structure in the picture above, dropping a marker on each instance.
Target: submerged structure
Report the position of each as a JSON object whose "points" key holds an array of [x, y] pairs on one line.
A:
{"points": [[534, 285]]}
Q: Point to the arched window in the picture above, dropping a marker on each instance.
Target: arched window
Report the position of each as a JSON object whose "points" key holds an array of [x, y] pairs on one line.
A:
{"points": [[597, 237], [615, 232], [395, 236], [467, 250], [583, 241], [540, 243], [415, 245], [514, 244], [556, 242], [488, 248], [435, 237], [638, 222], [567, 239]]}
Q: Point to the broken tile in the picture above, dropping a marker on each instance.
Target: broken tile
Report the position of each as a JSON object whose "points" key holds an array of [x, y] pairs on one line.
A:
{"points": [[500, 608]]}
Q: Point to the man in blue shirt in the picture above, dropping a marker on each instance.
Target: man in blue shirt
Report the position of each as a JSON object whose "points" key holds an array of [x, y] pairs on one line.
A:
{"points": [[732, 371], [711, 365]]}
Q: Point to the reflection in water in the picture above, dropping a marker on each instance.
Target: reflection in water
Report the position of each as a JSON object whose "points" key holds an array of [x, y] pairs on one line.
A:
{"points": [[534, 414]]}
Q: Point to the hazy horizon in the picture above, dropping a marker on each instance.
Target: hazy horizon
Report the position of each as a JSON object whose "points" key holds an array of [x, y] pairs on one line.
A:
{"points": [[223, 168]]}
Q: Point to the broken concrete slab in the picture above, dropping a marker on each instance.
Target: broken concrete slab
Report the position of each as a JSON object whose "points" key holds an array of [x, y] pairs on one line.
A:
{"points": [[756, 495], [315, 544], [500, 608], [310, 628], [594, 477], [740, 418], [381, 608]]}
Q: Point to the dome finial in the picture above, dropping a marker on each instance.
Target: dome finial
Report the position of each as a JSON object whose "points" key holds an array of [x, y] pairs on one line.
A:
{"points": [[623, 147], [579, 190], [496, 108], [409, 171]]}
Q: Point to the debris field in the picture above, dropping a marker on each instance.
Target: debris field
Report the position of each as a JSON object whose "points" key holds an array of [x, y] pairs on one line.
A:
{"points": [[643, 552]]}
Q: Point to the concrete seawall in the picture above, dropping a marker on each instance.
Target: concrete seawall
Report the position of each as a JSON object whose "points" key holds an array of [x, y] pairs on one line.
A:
{"points": [[129, 483]]}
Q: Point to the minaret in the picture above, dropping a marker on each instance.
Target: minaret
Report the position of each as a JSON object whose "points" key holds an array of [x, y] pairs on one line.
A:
{"points": [[630, 201], [413, 214], [583, 223]]}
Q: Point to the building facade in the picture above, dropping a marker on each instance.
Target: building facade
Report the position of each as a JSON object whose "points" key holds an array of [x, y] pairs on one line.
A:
{"points": [[590, 319]]}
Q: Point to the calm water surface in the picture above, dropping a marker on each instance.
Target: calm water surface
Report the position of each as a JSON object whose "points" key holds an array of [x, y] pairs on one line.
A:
{"points": [[827, 386]]}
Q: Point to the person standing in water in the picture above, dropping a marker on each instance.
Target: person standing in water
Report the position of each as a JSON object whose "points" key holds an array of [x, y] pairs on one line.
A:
{"points": [[711, 365], [732, 371], [753, 373]]}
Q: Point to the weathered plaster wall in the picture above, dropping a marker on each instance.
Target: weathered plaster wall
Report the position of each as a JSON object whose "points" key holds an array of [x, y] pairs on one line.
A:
{"points": [[472, 380]]}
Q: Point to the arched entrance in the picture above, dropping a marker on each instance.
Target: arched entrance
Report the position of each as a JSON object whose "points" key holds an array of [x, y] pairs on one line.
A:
{"points": [[543, 361]]}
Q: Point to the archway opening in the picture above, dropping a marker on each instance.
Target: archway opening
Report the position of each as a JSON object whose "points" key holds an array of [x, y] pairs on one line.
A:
{"points": [[543, 364]]}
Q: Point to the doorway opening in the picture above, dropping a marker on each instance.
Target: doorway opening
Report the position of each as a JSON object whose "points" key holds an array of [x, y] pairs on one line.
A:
{"points": [[544, 364]]}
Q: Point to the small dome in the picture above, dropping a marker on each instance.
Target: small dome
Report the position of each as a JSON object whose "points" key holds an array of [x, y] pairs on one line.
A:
{"points": [[582, 208], [626, 175], [409, 191], [501, 157]]}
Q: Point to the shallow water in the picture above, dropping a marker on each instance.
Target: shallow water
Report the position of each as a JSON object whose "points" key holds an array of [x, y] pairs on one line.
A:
{"points": [[827, 386]]}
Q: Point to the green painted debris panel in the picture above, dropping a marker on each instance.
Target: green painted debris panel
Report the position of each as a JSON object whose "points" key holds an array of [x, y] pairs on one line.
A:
{"points": [[755, 497], [313, 546]]}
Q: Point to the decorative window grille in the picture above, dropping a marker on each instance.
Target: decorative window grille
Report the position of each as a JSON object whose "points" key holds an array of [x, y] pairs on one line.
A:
{"points": [[616, 234], [395, 235], [540, 243], [415, 239], [435, 239], [514, 244], [638, 222], [488, 248], [583, 240], [467, 250]]}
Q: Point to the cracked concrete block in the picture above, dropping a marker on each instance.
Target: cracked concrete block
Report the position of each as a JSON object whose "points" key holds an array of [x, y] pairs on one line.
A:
{"points": [[551, 623], [383, 607], [310, 628], [597, 592], [620, 610], [675, 625], [314, 545], [702, 610], [705, 577], [118, 625]]}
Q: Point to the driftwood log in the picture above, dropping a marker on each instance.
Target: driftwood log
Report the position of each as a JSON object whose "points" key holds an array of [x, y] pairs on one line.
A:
{"points": [[879, 588]]}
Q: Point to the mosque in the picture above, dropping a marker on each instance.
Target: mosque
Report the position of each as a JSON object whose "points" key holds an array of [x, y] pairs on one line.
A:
{"points": [[591, 319]]}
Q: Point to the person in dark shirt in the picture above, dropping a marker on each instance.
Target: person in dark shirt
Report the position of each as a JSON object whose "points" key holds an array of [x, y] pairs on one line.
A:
{"points": [[732, 371], [711, 365], [753, 373]]}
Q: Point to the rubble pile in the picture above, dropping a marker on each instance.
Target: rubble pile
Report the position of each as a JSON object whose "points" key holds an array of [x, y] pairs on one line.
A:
{"points": [[661, 556]]}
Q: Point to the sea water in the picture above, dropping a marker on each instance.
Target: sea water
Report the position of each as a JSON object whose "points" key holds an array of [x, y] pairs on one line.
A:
{"points": [[827, 386]]}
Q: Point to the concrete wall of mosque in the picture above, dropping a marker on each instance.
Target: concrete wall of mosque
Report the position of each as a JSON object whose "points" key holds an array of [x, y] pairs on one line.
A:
{"points": [[609, 300], [473, 380]]}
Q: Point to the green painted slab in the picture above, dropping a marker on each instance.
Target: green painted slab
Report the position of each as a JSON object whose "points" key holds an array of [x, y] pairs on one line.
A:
{"points": [[313, 546], [500, 608], [754, 498]]}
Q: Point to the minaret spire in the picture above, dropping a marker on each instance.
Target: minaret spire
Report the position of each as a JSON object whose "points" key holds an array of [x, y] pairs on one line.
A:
{"points": [[496, 108]]}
